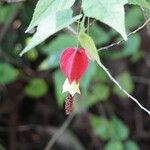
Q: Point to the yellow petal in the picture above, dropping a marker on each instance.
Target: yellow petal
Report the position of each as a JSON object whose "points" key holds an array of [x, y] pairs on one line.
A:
{"points": [[71, 88]]}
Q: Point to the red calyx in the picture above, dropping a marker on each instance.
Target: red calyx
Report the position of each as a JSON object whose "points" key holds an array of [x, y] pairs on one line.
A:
{"points": [[73, 63]]}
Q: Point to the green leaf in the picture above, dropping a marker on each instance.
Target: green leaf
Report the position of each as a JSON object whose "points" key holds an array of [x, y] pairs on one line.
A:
{"points": [[109, 12], [59, 80], [99, 35], [87, 42], [119, 130], [132, 45], [125, 80], [2, 148], [8, 73], [49, 26], [48, 8], [100, 75], [100, 126], [59, 43], [51, 62], [101, 92], [134, 12], [36, 88], [131, 48], [54, 50], [114, 145], [142, 3], [130, 145], [88, 75], [6, 11]]}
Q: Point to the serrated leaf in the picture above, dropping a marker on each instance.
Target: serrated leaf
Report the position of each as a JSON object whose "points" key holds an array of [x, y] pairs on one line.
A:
{"points": [[87, 42], [49, 26], [109, 12], [142, 3], [8, 73], [36, 88], [114, 145], [46, 8]]}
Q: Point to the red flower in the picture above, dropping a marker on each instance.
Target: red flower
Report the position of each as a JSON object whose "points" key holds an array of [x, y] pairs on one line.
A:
{"points": [[73, 64]]}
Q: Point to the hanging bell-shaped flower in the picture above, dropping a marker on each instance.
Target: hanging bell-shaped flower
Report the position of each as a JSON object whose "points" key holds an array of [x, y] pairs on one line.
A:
{"points": [[73, 63]]}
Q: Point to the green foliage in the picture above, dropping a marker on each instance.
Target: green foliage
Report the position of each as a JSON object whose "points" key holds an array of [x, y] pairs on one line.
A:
{"points": [[5, 12], [114, 145], [59, 80], [54, 50], [119, 130], [130, 145], [87, 42], [99, 35], [131, 48], [59, 43], [100, 127], [49, 26], [2, 148], [100, 75], [8, 73], [88, 75], [110, 12], [142, 3], [36, 88], [101, 92], [47, 9], [113, 129], [50, 17], [125, 80], [135, 13], [32, 55]]}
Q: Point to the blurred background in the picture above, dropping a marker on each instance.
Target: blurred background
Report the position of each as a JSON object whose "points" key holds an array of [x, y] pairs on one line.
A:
{"points": [[31, 100]]}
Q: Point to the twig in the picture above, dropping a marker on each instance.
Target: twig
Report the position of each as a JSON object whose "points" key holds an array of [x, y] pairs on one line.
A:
{"points": [[72, 30], [146, 17], [59, 132], [123, 90], [133, 32]]}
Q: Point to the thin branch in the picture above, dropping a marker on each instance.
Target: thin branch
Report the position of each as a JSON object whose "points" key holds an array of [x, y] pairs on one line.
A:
{"points": [[133, 32], [59, 132], [72, 30], [123, 90], [146, 16]]}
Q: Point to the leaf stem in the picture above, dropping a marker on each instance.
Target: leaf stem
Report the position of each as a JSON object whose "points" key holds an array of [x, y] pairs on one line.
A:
{"points": [[122, 89]]}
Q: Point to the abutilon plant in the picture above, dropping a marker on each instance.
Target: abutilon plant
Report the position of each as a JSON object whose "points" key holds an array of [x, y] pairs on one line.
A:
{"points": [[73, 64]]}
